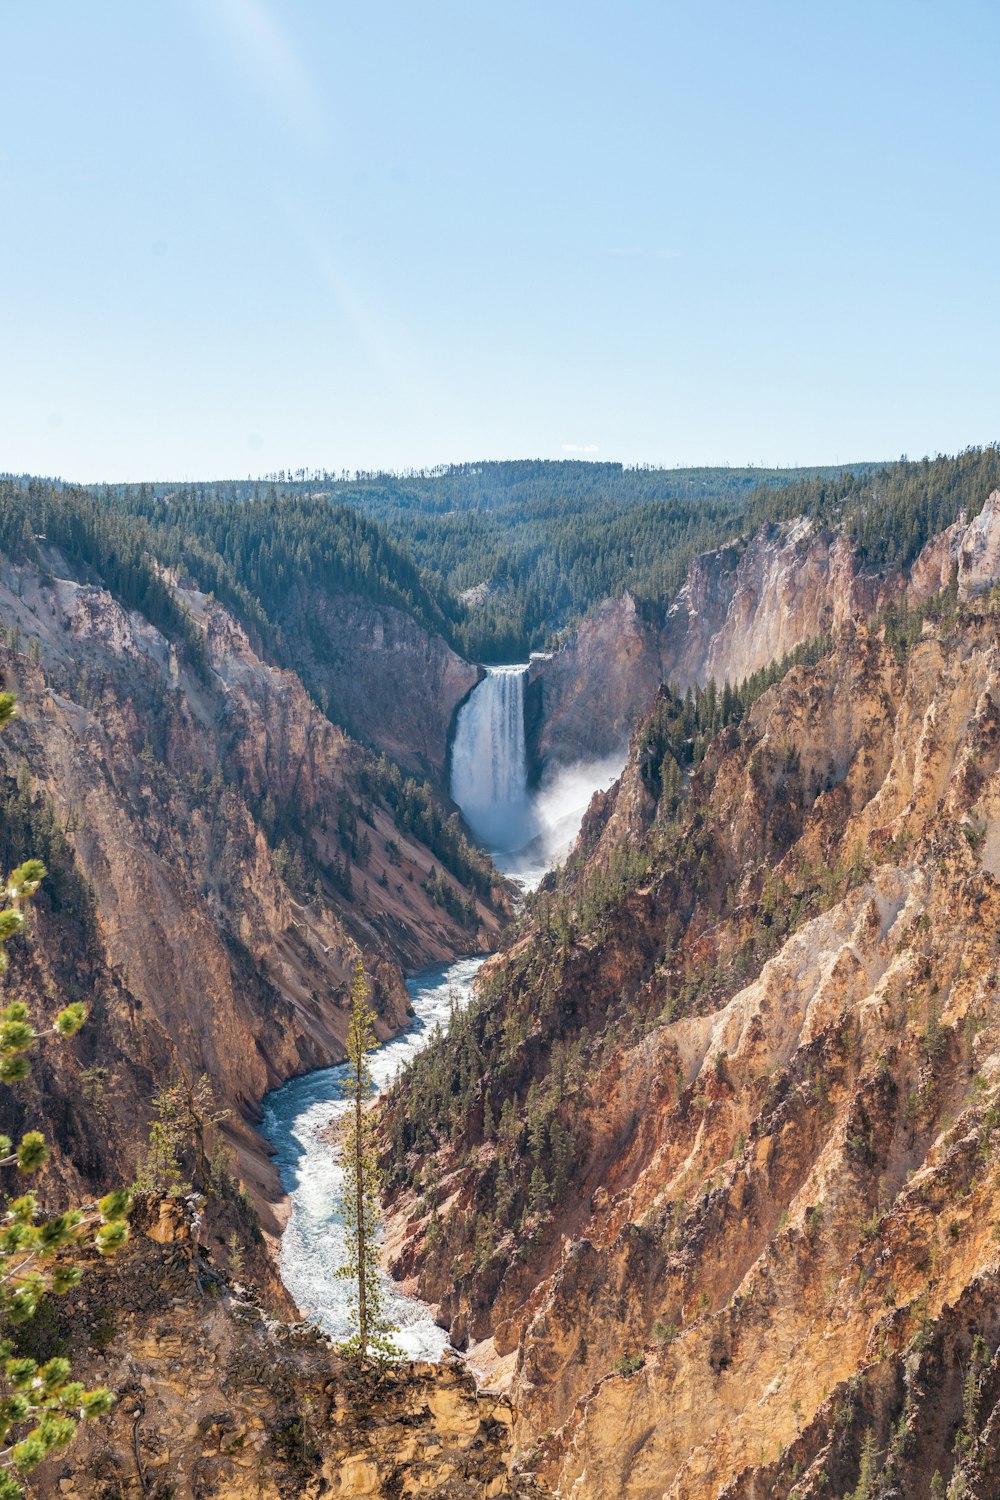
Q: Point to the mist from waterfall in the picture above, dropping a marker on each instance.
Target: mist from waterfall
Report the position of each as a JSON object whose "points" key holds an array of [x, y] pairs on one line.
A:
{"points": [[557, 809], [527, 833]]}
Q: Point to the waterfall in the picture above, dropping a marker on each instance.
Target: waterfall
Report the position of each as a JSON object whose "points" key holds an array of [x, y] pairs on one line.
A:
{"points": [[488, 762]]}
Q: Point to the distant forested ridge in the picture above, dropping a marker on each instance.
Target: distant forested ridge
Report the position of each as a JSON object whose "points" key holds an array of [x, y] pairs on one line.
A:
{"points": [[497, 558], [550, 540], [525, 548]]}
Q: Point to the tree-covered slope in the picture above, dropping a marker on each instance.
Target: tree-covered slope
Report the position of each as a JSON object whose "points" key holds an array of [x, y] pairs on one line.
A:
{"points": [[509, 552], [711, 1166], [495, 558], [499, 557], [319, 589]]}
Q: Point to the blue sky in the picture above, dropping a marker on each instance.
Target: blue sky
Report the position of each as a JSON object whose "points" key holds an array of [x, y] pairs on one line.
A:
{"points": [[246, 235]]}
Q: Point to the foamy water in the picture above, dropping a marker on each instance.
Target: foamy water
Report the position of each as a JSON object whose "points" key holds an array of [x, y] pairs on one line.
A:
{"points": [[489, 760], [528, 833], [297, 1117], [556, 811]]}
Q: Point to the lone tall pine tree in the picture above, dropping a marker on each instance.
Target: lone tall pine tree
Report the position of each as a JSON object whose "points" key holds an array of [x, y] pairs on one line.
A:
{"points": [[362, 1180]]}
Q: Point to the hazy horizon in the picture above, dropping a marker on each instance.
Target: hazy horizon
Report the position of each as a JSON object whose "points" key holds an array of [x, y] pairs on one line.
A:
{"points": [[317, 475], [244, 235]]}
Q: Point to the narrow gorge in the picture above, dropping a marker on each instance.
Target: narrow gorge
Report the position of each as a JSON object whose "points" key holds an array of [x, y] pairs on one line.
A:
{"points": [[679, 939], [499, 769]]}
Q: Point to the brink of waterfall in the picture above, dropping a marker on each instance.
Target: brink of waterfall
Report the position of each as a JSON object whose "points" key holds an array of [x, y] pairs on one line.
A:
{"points": [[489, 764]]}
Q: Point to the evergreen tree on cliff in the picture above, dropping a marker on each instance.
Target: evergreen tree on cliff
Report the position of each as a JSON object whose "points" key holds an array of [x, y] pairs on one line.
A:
{"points": [[361, 1206], [41, 1404]]}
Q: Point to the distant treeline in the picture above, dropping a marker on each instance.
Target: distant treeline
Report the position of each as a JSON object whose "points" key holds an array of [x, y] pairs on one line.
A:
{"points": [[497, 557], [540, 543]]}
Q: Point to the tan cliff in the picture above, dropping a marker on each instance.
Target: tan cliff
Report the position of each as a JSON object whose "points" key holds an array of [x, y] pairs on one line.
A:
{"points": [[392, 683], [968, 550], [741, 607], [207, 949], [776, 1051], [216, 1399], [785, 589], [582, 702]]}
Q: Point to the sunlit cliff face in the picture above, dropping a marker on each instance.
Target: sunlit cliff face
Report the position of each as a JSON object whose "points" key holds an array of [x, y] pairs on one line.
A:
{"points": [[203, 955], [776, 1241]]}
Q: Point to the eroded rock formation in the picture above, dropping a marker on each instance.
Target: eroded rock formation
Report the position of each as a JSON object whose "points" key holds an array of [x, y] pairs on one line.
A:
{"points": [[215, 1399], [742, 1080], [238, 855], [582, 702], [390, 682], [741, 607]]}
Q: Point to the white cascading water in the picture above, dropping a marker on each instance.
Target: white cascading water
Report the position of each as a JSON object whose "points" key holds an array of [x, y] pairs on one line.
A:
{"points": [[489, 774], [526, 833], [298, 1120]]}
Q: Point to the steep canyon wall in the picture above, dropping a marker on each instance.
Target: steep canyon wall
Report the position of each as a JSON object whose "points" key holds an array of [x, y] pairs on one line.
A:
{"points": [[233, 857], [740, 608], [766, 1030]]}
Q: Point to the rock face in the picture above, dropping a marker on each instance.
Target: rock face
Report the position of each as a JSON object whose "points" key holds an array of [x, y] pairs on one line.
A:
{"points": [[391, 683], [969, 551], [740, 608], [186, 801], [979, 549], [744, 1089], [786, 587], [215, 1399], [581, 703]]}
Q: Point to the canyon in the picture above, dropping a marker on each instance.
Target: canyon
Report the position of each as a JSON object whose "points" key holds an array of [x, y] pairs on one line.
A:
{"points": [[722, 1212], [210, 819], [702, 1179]]}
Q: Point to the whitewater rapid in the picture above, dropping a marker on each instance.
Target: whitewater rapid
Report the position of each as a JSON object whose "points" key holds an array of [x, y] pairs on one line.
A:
{"points": [[297, 1120], [526, 832]]}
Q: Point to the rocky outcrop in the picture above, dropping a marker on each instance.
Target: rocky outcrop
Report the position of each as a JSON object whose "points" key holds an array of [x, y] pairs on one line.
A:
{"points": [[969, 552], [238, 859], [753, 1049], [787, 587], [581, 702], [390, 682], [216, 1399], [740, 608], [979, 550]]}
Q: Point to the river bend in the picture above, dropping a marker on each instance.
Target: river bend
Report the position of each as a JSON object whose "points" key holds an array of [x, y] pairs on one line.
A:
{"points": [[297, 1117]]}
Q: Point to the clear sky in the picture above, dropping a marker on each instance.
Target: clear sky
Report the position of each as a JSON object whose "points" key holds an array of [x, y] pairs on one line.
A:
{"points": [[246, 235]]}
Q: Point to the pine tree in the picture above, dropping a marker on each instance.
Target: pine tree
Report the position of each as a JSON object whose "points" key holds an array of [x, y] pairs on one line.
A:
{"points": [[41, 1404], [869, 1468], [360, 1204], [185, 1117]]}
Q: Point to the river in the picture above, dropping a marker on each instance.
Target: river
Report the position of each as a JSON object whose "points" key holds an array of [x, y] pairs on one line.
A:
{"points": [[297, 1118], [526, 832]]}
